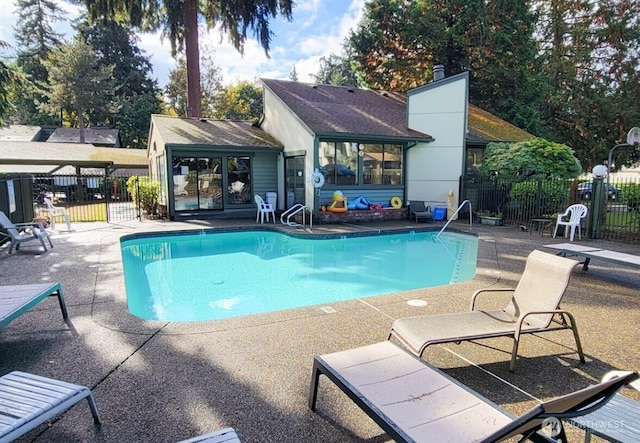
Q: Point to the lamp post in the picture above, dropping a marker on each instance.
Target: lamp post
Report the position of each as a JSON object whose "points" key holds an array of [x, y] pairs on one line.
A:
{"points": [[633, 139], [598, 200]]}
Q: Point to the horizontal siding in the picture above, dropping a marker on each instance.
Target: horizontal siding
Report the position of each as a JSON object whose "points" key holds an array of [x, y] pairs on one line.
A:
{"points": [[265, 173], [375, 196]]}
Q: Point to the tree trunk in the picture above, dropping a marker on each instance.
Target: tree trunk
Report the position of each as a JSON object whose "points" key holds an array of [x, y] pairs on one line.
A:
{"points": [[81, 126], [192, 52]]}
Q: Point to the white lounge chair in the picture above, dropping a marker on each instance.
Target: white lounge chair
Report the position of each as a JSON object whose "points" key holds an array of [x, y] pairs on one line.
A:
{"points": [[534, 308], [415, 402], [571, 219], [23, 232], [55, 212], [28, 400]]}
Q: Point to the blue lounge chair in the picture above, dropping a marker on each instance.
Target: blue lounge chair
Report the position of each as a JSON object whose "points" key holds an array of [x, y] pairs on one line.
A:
{"points": [[16, 300], [20, 233], [27, 401]]}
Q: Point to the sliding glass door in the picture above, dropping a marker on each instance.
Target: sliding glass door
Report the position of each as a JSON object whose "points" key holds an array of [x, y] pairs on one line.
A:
{"points": [[197, 183]]}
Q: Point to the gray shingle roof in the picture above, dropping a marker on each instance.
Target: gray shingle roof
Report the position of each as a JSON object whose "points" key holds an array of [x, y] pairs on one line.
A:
{"points": [[203, 132], [327, 109]]}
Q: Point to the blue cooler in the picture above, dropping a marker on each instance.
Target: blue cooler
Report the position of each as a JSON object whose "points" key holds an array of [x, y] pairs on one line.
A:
{"points": [[439, 214]]}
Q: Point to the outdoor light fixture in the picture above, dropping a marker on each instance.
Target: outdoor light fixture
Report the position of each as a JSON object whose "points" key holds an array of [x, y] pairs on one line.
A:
{"points": [[633, 139], [599, 171]]}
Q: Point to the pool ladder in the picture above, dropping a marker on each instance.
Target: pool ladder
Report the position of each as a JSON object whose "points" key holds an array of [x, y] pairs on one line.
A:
{"points": [[292, 211], [454, 215]]}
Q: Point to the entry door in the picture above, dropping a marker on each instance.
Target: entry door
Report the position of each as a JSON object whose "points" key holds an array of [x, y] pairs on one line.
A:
{"points": [[294, 180]]}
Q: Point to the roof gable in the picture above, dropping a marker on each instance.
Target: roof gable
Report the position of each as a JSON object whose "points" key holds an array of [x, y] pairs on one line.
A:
{"points": [[328, 109]]}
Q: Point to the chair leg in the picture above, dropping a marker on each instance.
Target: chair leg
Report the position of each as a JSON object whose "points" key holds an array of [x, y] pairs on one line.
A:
{"points": [[555, 231]]}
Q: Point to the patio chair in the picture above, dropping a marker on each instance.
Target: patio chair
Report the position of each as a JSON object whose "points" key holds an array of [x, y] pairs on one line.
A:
{"points": [[28, 400], [571, 219], [23, 232], [534, 308], [417, 211], [55, 211], [264, 209], [413, 401]]}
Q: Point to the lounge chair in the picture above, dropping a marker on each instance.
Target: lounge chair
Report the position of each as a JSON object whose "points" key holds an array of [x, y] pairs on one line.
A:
{"points": [[223, 436], [618, 420], [415, 402], [534, 308], [417, 211], [589, 252], [18, 299], [23, 232], [55, 212], [27, 401], [571, 219]]}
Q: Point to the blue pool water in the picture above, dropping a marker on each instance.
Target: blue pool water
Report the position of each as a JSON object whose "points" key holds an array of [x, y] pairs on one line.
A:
{"points": [[207, 275]]}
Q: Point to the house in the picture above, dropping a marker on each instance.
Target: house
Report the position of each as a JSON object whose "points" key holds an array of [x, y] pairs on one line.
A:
{"points": [[212, 167], [313, 140]]}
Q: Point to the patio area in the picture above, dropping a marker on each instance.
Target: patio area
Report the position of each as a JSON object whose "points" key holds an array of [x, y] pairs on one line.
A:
{"points": [[164, 382]]}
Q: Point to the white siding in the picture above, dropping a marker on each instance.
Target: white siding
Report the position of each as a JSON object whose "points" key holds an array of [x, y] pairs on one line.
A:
{"points": [[440, 110], [284, 126]]}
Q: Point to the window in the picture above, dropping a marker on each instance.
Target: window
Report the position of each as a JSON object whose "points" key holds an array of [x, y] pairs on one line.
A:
{"points": [[382, 164], [239, 179], [339, 163]]}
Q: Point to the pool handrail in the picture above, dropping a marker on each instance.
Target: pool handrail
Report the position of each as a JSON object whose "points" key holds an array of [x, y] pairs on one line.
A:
{"points": [[454, 214], [298, 207]]}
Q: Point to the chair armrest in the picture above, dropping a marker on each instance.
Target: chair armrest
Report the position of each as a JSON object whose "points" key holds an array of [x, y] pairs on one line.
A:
{"points": [[611, 374], [523, 316], [480, 291], [29, 225]]}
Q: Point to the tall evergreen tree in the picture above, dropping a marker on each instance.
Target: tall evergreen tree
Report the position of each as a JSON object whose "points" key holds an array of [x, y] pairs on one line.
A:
{"points": [[36, 38], [178, 19], [590, 53], [211, 86], [78, 84], [336, 70]]}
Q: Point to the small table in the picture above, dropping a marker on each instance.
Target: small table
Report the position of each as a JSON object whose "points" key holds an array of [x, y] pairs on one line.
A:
{"points": [[540, 224]]}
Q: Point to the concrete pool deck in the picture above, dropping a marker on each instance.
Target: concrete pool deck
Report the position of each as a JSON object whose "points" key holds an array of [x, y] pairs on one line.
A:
{"points": [[163, 382]]}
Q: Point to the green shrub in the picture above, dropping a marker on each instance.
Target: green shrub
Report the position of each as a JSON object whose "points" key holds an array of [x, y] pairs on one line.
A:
{"points": [[539, 197], [630, 195], [144, 193]]}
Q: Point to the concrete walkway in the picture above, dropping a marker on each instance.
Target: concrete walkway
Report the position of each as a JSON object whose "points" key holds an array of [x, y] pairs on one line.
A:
{"points": [[163, 382]]}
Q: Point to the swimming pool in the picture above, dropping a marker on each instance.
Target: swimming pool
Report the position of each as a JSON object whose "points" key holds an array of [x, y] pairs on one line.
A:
{"points": [[211, 275]]}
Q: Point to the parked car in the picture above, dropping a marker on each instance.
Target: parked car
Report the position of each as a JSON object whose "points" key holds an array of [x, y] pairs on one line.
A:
{"points": [[585, 189]]}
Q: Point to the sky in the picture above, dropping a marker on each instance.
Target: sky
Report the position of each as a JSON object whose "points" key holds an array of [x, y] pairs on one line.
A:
{"points": [[317, 28]]}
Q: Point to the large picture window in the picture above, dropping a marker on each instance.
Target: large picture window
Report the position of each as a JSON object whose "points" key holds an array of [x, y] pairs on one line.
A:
{"points": [[352, 163]]}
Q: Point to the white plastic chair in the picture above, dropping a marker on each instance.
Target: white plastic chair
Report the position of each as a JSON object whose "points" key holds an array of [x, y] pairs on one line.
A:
{"points": [[571, 219], [264, 209], [57, 212]]}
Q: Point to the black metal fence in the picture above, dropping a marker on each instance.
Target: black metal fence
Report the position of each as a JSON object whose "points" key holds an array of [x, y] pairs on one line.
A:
{"points": [[85, 197], [519, 201]]}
